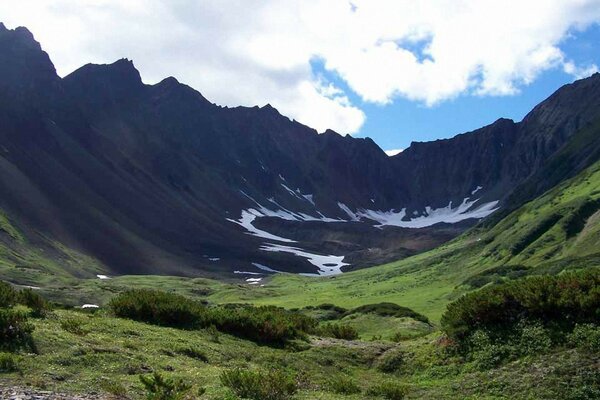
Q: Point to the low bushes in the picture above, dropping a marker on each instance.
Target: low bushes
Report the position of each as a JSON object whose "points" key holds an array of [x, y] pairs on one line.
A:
{"points": [[266, 324], [9, 297], [161, 388], [15, 330], [390, 361], [159, 308], [338, 331], [388, 310], [260, 384], [8, 363], [342, 384], [585, 337], [389, 390], [560, 301]]}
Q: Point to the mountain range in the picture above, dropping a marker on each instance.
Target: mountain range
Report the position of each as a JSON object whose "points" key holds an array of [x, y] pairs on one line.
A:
{"points": [[157, 179]]}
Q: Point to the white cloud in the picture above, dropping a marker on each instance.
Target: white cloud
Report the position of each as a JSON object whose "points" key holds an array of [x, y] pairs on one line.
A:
{"points": [[258, 52], [579, 72], [393, 152]]}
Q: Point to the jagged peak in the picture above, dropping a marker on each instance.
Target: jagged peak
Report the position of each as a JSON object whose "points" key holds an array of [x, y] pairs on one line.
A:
{"points": [[2, 27], [121, 73]]}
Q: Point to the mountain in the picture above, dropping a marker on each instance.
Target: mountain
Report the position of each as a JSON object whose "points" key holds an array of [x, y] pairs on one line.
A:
{"points": [[157, 179]]}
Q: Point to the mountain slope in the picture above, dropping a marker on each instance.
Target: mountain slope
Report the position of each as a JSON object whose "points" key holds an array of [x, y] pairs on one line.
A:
{"points": [[558, 230], [156, 179]]}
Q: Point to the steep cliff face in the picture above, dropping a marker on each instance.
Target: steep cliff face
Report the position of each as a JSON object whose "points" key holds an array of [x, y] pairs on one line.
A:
{"points": [[156, 179]]}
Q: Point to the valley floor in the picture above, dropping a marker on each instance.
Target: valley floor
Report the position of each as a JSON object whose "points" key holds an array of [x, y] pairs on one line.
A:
{"points": [[95, 356]]}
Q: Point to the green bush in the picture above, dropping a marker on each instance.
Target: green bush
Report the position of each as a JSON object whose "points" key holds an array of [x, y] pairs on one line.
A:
{"points": [[389, 390], [15, 330], [160, 388], [484, 353], [391, 361], [8, 363], [265, 324], [585, 337], [560, 301], [260, 385], [339, 331], [38, 305], [8, 295], [533, 338], [342, 384], [74, 326], [388, 310], [159, 308]]}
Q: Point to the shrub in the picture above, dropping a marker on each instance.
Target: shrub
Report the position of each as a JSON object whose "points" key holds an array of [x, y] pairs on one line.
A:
{"points": [[260, 385], [160, 388], [159, 308], [74, 326], [8, 363], [15, 330], [533, 338], [563, 300], [585, 337], [266, 324], [389, 390], [193, 352], [485, 354], [213, 332], [388, 310], [8, 295], [342, 384], [39, 306], [339, 331], [390, 361]]}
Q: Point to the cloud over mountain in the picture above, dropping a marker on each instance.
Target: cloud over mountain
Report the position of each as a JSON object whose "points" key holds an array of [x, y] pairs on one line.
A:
{"points": [[258, 52]]}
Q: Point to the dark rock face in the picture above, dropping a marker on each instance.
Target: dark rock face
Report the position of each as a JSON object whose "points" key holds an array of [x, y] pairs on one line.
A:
{"points": [[149, 178]]}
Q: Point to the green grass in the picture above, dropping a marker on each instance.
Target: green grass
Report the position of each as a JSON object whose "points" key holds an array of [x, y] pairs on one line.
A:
{"points": [[114, 352]]}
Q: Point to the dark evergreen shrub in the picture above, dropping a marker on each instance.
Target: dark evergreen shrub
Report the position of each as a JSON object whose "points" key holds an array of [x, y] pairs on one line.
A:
{"points": [[15, 330], [388, 310], [558, 302], [339, 331]]}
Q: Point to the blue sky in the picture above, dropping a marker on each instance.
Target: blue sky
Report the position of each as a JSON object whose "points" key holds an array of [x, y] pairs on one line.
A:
{"points": [[396, 125]]}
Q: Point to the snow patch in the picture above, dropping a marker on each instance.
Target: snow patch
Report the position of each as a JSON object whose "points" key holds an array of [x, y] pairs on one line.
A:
{"points": [[253, 279], [90, 306], [477, 189], [309, 198], [248, 217], [265, 268], [347, 210], [247, 273], [432, 215], [214, 259], [327, 264], [102, 276]]}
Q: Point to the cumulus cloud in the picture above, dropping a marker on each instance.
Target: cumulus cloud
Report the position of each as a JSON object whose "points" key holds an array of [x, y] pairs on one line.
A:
{"points": [[258, 52]]}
